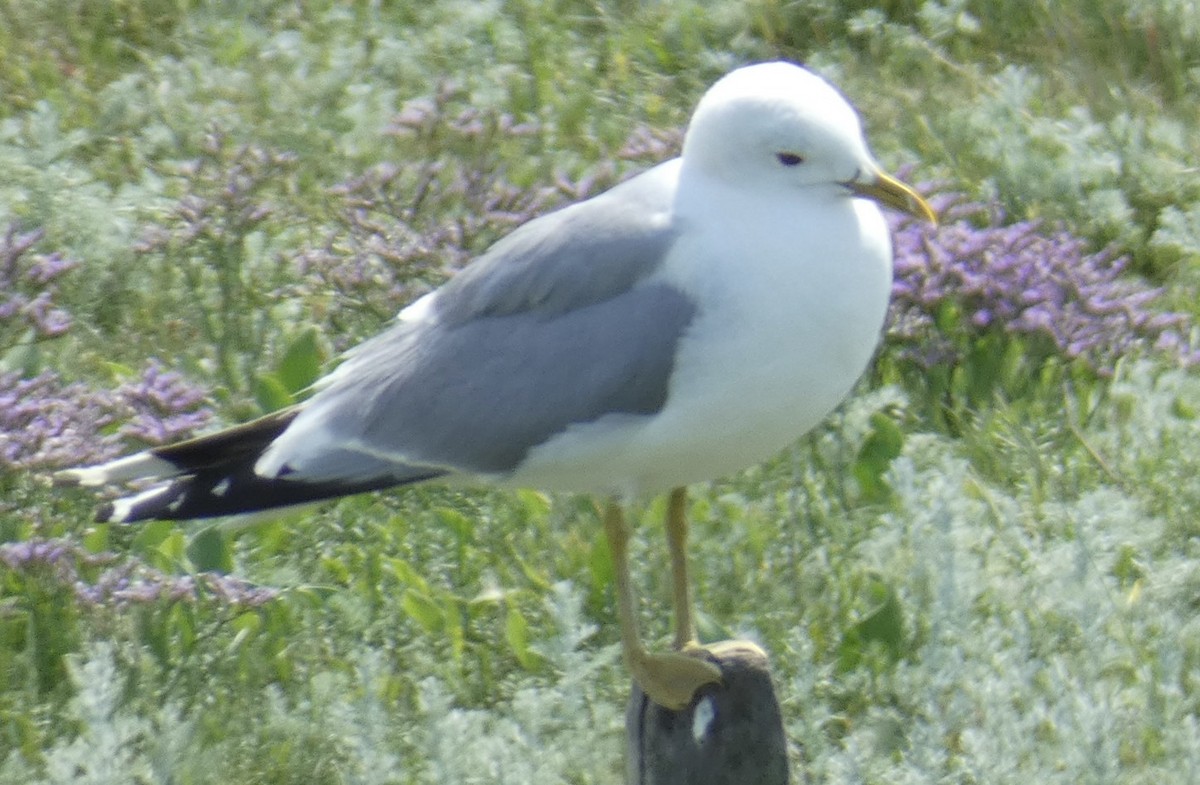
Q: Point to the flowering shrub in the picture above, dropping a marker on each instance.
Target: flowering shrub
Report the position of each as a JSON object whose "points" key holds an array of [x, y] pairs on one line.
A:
{"points": [[995, 301], [49, 583], [40, 422], [48, 423], [103, 579], [164, 407], [401, 228], [27, 289], [214, 240]]}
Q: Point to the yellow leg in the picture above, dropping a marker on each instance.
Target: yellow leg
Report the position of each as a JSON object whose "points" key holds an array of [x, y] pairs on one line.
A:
{"points": [[677, 535], [669, 679]]}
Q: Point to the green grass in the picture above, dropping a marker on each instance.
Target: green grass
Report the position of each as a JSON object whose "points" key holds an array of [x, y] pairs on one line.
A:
{"points": [[1007, 595]]}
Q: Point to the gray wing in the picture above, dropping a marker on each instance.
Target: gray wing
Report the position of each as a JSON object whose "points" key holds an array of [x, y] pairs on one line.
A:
{"points": [[573, 257], [557, 324]]}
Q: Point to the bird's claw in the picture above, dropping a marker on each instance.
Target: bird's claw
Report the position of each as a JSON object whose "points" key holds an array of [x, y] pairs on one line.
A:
{"points": [[671, 679]]}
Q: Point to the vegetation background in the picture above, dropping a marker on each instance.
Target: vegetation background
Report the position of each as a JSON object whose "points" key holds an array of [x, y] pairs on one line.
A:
{"points": [[981, 570]]}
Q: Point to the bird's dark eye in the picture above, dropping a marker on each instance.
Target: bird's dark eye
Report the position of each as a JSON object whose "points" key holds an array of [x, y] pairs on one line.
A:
{"points": [[790, 159]]}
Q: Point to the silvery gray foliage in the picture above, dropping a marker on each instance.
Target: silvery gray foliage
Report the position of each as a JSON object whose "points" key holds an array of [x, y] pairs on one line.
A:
{"points": [[110, 744]]}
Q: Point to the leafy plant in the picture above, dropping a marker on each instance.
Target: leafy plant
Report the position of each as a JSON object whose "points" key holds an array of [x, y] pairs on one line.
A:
{"points": [[48, 423], [984, 308], [979, 570], [209, 248], [28, 289]]}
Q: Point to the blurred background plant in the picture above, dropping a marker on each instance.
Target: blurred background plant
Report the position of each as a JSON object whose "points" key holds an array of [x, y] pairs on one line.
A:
{"points": [[28, 313], [985, 308], [981, 569], [48, 422]]}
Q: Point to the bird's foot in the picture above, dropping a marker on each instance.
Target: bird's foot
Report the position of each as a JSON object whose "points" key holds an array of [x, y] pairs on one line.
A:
{"points": [[671, 679]]}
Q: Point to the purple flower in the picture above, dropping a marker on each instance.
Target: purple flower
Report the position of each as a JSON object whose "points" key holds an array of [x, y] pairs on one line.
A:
{"points": [[166, 408], [27, 288], [125, 581], [138, 592], [46, 422], [54, 555], [975, 276]]}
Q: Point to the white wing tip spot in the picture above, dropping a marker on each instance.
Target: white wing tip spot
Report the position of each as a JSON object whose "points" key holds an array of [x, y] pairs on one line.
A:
{"points": [[132, 467], [122, 509]]}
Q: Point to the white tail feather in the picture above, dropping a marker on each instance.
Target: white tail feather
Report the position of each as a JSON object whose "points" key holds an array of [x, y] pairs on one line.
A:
{"points": [[143, 465]]}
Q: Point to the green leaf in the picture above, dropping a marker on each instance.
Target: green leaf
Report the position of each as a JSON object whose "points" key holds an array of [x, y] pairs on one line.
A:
{"points": [[248, 626], [876, 640], [24, 358], [271, 393], [337, 569], [885, 623], [882, 446], [600, 563], [182, 624], [96, 539], [948, 318], [533, 573], [407, 574], [455, 628], [1183, 409], [422, 609], [209, 551], [151, 626], [459, 523], [118, 371], [312, 595], [151, 535], [174, 548], [535, 505], [302, 361], [516, 634]]}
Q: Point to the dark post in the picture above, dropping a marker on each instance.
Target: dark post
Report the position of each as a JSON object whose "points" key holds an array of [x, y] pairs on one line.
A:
{"points": [[731, 734]]}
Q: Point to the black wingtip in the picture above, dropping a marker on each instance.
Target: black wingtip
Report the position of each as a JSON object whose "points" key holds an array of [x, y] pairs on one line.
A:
{"points": [[213, 494], [213, 475]]}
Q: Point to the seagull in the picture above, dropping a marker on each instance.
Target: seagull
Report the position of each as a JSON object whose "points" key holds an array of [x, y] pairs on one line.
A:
{"points": [[686, 324]]}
